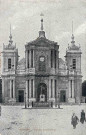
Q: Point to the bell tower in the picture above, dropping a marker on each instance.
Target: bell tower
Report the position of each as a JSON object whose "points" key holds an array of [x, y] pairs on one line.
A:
{"points": [[9, 66], [10, 56], [73, 60], [73, 56]]}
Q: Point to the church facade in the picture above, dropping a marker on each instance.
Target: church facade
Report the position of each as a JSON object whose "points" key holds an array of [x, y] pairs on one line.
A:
{"points": [[41, 78]]}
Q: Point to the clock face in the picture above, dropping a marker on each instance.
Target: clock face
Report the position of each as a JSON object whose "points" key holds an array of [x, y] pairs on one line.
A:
{"points": [[41, 59]]}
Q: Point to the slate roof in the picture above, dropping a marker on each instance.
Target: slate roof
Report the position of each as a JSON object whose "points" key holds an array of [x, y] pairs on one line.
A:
{"points": [[62, 64], [21, 64]]}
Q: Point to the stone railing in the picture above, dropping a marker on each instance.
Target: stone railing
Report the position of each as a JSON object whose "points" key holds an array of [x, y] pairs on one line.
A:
{"points": [[8, 71], [62, 72], [30, 71]]}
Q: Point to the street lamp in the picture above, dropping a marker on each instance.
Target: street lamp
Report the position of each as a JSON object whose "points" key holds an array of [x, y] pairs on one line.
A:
{"points": [[56, 100], [25, 101]]}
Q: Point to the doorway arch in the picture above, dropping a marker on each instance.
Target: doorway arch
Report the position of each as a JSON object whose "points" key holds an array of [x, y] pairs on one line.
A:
{"points": [[42, 90]]}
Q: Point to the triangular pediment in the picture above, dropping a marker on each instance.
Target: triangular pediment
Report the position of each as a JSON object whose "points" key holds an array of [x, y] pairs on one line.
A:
{"points": [[41, 41]]}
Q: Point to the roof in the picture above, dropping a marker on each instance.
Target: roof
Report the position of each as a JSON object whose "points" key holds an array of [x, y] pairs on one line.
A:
{"points": [[73, 48], [21, 64], [62, 64]]}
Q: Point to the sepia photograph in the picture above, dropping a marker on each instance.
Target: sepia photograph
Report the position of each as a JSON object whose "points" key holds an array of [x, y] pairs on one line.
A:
{"points": [[42, 67]]}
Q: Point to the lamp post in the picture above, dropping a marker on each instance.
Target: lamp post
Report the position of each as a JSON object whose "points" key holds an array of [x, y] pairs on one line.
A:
{"points": [[25, 101], [58, 100]]}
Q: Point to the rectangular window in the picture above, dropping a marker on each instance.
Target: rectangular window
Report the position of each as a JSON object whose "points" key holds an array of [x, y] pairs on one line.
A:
{"points": [[74, 63], [51, 88], [31, 88], [9, 63], [31, 58], [51, 58]]}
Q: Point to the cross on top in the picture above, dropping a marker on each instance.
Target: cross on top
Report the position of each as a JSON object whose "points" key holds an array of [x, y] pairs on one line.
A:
{"points": [[41, 21]]}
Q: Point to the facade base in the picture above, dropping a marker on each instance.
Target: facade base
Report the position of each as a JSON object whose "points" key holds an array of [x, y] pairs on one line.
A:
{"points": [[71, 100], [12, 100]]}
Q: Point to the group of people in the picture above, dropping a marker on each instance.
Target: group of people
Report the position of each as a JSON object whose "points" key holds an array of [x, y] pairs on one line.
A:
{"points": [[75, 119]]}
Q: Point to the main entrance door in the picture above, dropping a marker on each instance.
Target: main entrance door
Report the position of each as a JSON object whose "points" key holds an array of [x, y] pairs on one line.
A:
{"points": [[63, 96], [42, 93], [21, 96]]}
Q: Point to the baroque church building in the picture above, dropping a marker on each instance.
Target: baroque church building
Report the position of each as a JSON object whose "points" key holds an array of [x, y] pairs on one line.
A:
{"points": [[41, 78]]}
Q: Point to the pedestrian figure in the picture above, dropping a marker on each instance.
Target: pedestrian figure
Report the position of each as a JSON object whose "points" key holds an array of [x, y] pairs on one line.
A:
{"points": [[82, 119], [74, 120]]}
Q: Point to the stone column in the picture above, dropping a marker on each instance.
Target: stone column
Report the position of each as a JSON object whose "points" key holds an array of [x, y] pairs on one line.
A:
{"points": [[10, 88], [26, 91], [2, 62], [53, 88], [72, 88], [53, 60], [30, 58], [14, 88], [30, 88], [69, 89], [3, 89], [26, 59], [56, 96], [49, 57], [55, 57], [33, 88], [14, 62], [33, 59], [6, 64], [49, 88]]}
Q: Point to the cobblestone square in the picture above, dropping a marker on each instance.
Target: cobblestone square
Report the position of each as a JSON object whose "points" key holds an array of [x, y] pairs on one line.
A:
{"points": [[15, 120]]}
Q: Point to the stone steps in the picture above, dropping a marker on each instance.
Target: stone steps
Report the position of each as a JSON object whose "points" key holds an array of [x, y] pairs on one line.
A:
{"points": [[41, 104]]}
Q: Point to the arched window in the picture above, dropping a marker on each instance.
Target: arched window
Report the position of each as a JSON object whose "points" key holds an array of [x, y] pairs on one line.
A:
{"points": [[42, 66]]}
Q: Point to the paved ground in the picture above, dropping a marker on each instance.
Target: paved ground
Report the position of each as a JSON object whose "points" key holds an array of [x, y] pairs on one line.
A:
{"points": [[18, 121]]}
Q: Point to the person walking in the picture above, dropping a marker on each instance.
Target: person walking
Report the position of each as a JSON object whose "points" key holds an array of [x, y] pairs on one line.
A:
{"points": [[74, 120], [82, 119]]}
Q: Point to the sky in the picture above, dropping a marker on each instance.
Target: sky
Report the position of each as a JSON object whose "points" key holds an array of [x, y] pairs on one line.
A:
{"points": [[24, 17]]}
